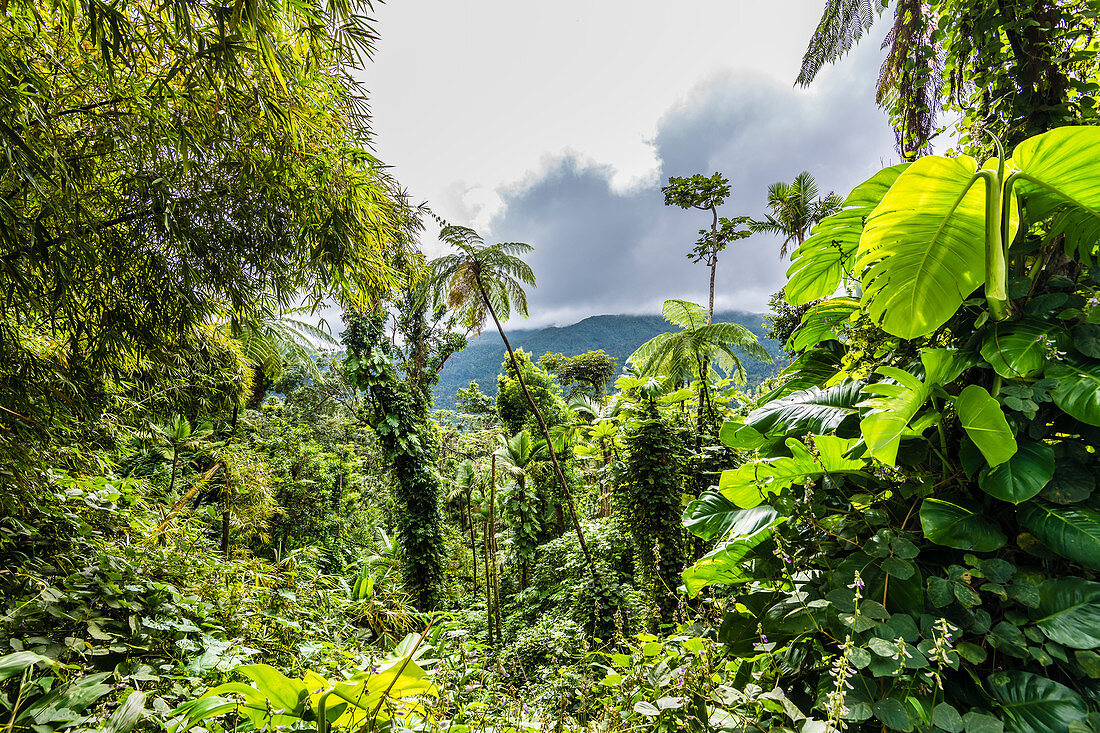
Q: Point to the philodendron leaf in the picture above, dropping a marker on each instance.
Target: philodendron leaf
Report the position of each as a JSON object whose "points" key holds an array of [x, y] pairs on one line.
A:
{"points": [[724, 563], [1078, 390], [812, 369], [1017, 349], [823, 321], [1069, 612], [954, 526], [820, 262], [923, 250], [1022, 476], [1035, 704], [897, 401], [984, 421], [1072, 532], [739, 436], [814, 410], [1060, 170], [749, 484], [711, 515]]}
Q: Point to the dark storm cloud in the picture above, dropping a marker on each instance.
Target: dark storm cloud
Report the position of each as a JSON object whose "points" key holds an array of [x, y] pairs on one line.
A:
{"points": [[598, 251]]}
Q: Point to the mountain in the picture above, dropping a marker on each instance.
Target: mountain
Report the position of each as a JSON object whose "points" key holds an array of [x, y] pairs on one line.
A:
{"points": [[619, 336]]}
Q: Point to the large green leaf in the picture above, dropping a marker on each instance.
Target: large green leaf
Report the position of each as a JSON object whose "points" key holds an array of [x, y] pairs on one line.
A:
{"points": [[951, 525], [812, 369], [820, 262], [748, 485], [711, 515], [923, 250], [898, 400], [285, 693], [1078, 390], [187, 715], [724, 563], [739, 436], [1073, 533], [814, 410], [1017, 349], [1069, 612], [13, 664], [1035, 704], [821, 322], [126, 716], [1059, 170], [1022, 476], [984, 421]]}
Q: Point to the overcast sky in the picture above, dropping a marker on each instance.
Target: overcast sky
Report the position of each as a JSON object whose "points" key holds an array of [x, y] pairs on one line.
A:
{"points": [[556, 124]]}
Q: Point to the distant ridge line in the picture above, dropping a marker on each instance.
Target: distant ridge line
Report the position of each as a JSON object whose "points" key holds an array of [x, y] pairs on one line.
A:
{"points": [[618, 335]]}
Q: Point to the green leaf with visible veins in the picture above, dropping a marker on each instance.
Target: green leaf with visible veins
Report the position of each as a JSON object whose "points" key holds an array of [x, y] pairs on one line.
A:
{"points": [[1072, 532], [984, 421]]}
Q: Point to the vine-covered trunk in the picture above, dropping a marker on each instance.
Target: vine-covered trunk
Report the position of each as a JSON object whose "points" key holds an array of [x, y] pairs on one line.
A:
{"points": [[397, 419]]}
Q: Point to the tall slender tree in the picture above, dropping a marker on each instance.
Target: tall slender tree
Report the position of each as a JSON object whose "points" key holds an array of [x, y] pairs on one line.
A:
{"points": [[707, 194], [486, 281]]}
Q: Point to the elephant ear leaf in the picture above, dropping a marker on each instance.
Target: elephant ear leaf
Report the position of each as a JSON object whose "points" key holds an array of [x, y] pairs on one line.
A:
{"points": [[820, 262], [1035, 704], [725, 563], [951, 525], [711, 515], [1069, 612], [923, 250], [984, 421], [814, 410], [1078, 390], [1072, 532], [1022, 476], [1018, 348], [1059, 172], [821, 322]]}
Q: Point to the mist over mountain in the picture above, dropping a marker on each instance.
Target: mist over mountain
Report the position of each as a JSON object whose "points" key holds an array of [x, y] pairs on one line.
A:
{"points": [[618, 335]]}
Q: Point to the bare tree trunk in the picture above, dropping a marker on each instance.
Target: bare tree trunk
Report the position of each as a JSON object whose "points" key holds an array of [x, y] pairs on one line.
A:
{"points": [[713, 261], [473, 538], [493, 540], [546, 435], [488, 583]]}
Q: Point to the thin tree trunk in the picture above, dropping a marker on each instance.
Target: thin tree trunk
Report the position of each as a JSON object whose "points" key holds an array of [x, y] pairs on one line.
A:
{"points": [[545, 433], [714, 260], [488, 583], [175, 462], [522, 521], [225, 492], [473, 538], [493, 540]]}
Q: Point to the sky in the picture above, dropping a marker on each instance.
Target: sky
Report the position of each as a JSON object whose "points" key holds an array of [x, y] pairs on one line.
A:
{"points": [[557, 123]]}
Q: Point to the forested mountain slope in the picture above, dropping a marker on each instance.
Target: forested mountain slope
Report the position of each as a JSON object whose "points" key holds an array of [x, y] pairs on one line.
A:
{"points": [[618, 335]]}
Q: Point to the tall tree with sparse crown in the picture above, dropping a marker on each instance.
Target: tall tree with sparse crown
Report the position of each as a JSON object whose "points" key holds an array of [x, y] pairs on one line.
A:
{"points": [[486, 280]]}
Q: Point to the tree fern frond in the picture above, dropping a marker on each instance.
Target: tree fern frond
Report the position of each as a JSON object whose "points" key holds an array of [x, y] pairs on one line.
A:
{"points": [[684, 313], [842, 23]]}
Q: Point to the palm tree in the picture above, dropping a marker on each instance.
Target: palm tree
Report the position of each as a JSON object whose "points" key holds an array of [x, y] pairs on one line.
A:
{"points": [[484, 281], [795, 208], [516, 457], [697, 350], [180, 437]]}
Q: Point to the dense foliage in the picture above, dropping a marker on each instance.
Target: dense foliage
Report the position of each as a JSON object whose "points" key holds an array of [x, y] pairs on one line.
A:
{"points": [[207, 525]]}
